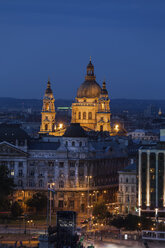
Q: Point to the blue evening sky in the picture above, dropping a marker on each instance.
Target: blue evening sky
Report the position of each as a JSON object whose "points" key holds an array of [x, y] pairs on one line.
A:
{"points": [[41, 38]]}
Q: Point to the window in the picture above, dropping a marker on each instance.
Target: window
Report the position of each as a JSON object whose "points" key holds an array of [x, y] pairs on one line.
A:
{"points": [[60, 204], [50, 163], [12, 164], [71, 204], [84, 116], [61, 194], [79, 115], [102, 119], [133, 189], [72, 173], [73, 143], [72, 164], [82, 208], [20, 173], [61, 184], [30, 184], [61, 164], [66, 143], [20, 164], [126, 180], [46, 127], [47, 106], [40, 183], [101, 128], [32, 173], [12, 172], [126, 189], [90, 115], [80, 144]]}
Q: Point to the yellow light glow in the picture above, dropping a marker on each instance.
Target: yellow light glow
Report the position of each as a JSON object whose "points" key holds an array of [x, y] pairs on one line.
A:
{"points": [[60, 125], [116, 127]]}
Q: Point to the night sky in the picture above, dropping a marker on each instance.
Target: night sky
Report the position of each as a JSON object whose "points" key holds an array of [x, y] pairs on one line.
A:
{"points": [[41, 38]]}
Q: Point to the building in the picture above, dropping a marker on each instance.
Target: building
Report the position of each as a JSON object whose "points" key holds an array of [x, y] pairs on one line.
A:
{"points": [[82, 167], [127, 190], [91, 107], [151, 179], [48, 114], [144, 135]]}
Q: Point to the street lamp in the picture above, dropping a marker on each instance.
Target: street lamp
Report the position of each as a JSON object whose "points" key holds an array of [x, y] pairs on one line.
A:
{"points": [[88, 180], [49, 202]]}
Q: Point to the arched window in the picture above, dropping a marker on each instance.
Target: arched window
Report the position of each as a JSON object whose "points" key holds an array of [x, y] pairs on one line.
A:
{"points": [[40, 183], [101, 128], [84, 115], [61, 184], [79, 115], [90, 115], [47, 106], [46, 127]]}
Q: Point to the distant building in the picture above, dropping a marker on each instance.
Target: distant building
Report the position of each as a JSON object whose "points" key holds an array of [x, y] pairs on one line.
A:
{"points": [[141, 134], [151, 179], [127, 190]]}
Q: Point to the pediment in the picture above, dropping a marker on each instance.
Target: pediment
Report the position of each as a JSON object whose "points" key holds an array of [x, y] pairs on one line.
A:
{"points": [[6, 149]]}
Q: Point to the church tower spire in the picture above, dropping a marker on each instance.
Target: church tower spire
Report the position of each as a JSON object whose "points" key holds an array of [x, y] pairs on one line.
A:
{"points": [[48, 111], [103, 114]]}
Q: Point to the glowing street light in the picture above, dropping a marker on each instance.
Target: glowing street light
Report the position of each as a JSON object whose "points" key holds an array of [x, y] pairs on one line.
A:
{"points": [[116, 127], [60, 125]]}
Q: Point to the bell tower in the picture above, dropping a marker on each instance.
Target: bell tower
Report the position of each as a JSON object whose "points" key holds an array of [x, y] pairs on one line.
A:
{"points": [[48, 111], [103, 115]]}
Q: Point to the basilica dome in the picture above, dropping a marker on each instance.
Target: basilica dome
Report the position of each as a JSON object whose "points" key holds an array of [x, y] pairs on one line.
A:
{"points": [[90, 88]]}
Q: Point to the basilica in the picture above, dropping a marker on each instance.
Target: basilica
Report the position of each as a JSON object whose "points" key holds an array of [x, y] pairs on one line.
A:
{"points": [[81, 160], [91, 107]]}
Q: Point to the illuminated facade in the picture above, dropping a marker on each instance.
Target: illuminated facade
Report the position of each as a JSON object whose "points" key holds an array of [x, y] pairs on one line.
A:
{"points": [[91, 108], [127, 190], [151, 180], [48, 111]]}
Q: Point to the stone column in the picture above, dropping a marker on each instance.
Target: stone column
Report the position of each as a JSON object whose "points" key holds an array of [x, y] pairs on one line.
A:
{"points": [[148, 180], [156, 179], [139, 181]]}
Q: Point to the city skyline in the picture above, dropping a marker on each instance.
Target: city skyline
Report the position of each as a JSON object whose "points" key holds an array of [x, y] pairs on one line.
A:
{"points": [[55, 40]]}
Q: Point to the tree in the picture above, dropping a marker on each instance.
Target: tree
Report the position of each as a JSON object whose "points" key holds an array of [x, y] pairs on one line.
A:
{"points": [[38, 201], [6, 187], [118, 222], [131, 222], [16, 209], [100, 212]]}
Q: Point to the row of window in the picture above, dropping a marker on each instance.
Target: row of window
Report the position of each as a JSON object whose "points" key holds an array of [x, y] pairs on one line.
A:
{"points": [[127, 189], [85, 116], [132, 180], [11, 163], [73, 143]]}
